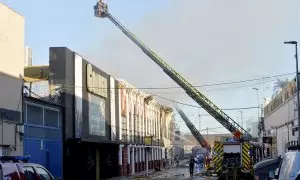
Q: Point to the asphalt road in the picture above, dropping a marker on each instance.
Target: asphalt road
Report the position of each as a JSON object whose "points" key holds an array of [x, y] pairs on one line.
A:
{"points": [[181, 172]]}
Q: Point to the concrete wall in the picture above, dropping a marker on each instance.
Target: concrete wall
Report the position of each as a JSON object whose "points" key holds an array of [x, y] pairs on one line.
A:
{"points": [[11, 41], [11, 73]]}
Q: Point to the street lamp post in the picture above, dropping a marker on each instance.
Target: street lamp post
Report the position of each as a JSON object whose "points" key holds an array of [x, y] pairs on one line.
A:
{"points": [[257, 102], [260, 121], [297, 81], [242, 123]]}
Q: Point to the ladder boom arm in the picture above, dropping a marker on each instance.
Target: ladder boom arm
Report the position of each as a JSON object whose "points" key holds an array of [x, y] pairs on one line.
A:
{"points": [[193, 130], [202, 100]]}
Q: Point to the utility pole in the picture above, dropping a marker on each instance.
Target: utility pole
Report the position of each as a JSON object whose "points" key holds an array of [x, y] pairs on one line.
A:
{"points": [[297, 81], [257, 103], [242, 119]]}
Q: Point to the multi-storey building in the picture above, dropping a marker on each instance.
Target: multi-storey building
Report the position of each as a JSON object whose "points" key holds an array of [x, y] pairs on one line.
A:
{"points": [[11, 79], [280, 120], [168, 133], [105, 121], [140, 117]]}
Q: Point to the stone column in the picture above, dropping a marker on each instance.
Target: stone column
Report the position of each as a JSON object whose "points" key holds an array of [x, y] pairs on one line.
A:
{"points": [[120, 159], [128, 160], [147, 161], [132, 161], [120, 154], [140, 158], [127, 115], [143, 158]]}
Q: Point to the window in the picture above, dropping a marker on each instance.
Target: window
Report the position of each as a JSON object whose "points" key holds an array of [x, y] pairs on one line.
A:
{"points": [[43, 174], [35, 132], [34, 115], [53, 134], [124, 129], [29, 173], [293, 133], [97, 116], [51, 118]]}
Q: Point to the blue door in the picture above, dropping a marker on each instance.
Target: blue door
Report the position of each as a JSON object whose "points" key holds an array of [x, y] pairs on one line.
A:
{"points": [[42, 137], [53, 157], [32, 147], [45, 152]]}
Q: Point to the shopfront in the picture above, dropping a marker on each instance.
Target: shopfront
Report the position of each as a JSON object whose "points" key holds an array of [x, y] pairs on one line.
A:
{"points": [[90, 132]]}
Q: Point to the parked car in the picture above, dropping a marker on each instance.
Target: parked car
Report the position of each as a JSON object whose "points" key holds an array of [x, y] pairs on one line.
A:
{"points": [[266, 168], [290, 167], [18, 168]]}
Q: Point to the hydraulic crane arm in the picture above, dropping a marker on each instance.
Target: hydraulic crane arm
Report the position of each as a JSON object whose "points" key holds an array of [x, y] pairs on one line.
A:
{"points": [[101, 10], [194, 131]]}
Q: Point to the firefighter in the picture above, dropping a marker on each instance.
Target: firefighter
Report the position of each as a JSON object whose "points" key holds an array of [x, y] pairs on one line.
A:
{"points": [[191, 166]]}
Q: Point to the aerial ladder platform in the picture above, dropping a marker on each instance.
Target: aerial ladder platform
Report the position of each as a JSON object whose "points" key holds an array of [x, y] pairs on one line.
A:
{"points": [[194, 131], [101, 11]]}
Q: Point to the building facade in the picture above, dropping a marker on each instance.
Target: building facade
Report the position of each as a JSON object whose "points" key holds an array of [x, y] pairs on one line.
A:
{"points": [[280, 120], [106, 121], [90, 146], [140, 117], [169, 136], [11, 74]]}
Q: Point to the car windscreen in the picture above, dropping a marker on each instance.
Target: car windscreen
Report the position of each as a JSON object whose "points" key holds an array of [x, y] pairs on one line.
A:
{"points": [[290, 166]]}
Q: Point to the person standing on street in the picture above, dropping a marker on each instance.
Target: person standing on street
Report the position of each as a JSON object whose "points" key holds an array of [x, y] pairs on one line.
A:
{"points": [[191, 166]]}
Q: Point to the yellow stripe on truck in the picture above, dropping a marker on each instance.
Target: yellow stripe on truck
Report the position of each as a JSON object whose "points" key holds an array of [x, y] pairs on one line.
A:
{"points": [[218, 156], [246, 159]]}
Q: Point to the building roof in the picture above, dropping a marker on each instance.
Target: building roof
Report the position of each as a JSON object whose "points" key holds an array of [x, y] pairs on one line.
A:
{"points": [[11, 9], [37, 72]]}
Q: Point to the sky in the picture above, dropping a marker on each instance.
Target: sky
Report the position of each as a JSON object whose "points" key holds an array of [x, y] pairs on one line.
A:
{"points": [[207, 41]]}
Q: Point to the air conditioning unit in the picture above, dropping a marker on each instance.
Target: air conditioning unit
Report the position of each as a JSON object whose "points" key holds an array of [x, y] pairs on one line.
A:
{"points": [[20, 129]]}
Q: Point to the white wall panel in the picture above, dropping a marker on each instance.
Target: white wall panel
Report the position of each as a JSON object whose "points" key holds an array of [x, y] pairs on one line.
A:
{"points": [[113, 109], [78, 95]]}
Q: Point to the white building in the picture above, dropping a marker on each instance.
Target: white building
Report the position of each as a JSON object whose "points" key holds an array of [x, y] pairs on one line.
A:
{"points": [[11, 75], [141, 116], [28, 57], [281, 119]]}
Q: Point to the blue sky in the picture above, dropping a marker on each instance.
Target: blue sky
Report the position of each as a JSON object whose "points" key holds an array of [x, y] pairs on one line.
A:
{"points": [[208, 41], [72, 23]]}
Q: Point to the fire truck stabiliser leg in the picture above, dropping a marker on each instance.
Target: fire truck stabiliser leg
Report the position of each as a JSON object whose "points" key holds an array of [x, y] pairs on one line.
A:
{"points": [[246, 159]]}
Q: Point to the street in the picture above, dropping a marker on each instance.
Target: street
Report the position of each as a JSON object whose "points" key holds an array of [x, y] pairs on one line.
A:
{"points": [[181, 172], [173, 172]]}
